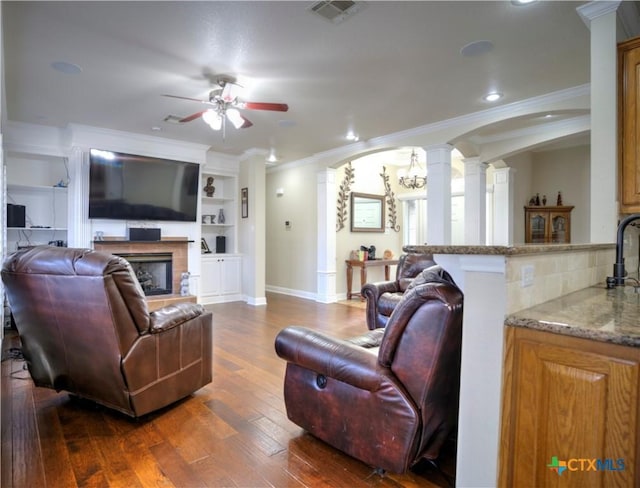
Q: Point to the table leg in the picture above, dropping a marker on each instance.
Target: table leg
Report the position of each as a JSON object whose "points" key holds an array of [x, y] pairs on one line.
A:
{"points": [[363, 279], [386, 272], [349, 280]]}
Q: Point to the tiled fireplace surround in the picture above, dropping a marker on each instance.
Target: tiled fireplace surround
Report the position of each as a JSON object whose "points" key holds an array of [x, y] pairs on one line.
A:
{"points": [[176, 246]]}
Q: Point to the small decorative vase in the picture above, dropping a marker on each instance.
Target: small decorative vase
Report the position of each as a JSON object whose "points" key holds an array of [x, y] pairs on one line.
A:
{"points": [[544, 199], [221, 218], [559, 201]]}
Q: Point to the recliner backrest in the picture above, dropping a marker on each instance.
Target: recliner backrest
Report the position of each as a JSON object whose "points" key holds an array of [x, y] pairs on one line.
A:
{"points": [[422, 347], [409, 266], [78, 312]]}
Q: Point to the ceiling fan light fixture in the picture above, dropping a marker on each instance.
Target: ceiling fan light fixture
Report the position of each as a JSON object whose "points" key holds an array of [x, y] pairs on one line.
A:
{"points": [[213, 119], [235, 118]]}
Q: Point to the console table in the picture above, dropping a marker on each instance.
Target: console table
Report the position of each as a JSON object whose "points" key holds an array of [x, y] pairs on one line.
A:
{"points": [[363, 265]]}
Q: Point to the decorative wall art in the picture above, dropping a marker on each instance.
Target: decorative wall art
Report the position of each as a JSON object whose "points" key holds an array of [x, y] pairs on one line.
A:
{"points": [[391, 201], [343, 196], [244, 202]]}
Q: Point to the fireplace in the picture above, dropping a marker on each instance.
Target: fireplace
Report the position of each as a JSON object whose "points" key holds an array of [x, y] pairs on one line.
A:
{"points": [[153, 270], [176, 247]]}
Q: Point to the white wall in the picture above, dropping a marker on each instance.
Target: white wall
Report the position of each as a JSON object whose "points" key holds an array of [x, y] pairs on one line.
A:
{"points": [[546, 173]]}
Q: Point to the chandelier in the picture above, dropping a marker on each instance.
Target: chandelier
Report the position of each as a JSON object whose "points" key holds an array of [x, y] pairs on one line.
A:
{"points": [[415, 176]]}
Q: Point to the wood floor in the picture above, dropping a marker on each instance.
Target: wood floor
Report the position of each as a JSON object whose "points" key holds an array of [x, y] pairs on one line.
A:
{"points": [[232, 433]]}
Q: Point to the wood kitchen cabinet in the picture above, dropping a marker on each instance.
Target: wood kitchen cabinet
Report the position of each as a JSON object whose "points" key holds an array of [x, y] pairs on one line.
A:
{"points": [[545, 225], [629, 126], [569, 398]]}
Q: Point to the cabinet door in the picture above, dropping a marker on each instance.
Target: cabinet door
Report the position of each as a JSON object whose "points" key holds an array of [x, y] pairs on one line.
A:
{"points": [[231, 276], [210, 281], [629, 125], [537, 223], [560, 227], [570, 400]]}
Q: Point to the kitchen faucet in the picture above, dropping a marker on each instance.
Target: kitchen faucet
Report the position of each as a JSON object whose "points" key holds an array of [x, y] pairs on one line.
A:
{"points": [[618, 268]]}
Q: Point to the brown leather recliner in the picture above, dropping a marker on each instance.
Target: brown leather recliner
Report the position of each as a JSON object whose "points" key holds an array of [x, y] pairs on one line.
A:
{"points": [[383, 296], [389, 397], [85, 328]]}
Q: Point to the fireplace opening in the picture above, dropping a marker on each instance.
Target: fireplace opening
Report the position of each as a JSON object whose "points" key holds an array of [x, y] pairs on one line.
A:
{"points": [[154, 272]]}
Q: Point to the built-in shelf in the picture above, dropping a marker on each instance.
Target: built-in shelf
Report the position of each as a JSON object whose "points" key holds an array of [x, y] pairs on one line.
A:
{"points": [[39, 229], [38, 188]]}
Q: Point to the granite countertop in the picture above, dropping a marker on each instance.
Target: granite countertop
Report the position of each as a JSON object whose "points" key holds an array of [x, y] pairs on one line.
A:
{"points": [[592, 313], [516, 249]]}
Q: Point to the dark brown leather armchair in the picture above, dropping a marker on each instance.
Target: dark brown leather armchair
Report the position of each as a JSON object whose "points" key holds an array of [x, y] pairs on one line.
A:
{"points": [[85, 328], [389, 397], [383, 296]]}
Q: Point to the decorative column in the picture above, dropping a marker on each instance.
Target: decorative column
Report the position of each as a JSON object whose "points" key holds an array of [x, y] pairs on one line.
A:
{"points": [[475, 202], [600, 17], [503, 197], [79, 226], [439, 194], [326, 253]]}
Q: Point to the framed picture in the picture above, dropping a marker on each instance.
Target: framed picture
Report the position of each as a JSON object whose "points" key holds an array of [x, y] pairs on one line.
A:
{"points": [[204, 247], [244, 202]]}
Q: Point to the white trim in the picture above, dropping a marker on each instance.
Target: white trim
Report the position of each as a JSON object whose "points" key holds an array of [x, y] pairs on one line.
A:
{"points": [[593, 10]]}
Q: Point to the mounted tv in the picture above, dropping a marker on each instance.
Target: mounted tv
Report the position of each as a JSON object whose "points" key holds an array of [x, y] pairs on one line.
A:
{"points": [[130, 187]]}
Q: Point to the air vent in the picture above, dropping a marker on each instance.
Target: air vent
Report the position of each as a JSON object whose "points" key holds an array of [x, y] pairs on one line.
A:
{"points": [[335, 11]]}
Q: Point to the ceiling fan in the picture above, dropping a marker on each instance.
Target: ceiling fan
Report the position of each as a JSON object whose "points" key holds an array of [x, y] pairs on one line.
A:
{"points": [[226, 106]]}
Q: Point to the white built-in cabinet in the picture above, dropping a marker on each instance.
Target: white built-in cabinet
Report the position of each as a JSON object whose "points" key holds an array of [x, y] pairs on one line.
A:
{"points": [[220, 270], [221, 278]]}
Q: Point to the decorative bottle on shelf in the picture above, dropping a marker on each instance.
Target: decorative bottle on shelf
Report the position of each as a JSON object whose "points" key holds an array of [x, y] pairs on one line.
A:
{"points": [[544, 199], [559, 201], [221, 218], [538, 199]]}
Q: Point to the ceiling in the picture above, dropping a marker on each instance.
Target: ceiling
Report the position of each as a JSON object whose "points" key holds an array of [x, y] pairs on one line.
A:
{"points": [[389, 67]]}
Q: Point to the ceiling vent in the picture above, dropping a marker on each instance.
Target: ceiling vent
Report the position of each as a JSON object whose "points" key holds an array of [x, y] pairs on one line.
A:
{"points": [[334, 10]]}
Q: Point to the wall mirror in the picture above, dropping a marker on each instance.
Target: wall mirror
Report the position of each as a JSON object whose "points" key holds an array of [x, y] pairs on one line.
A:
{"points": [[367, 212]]}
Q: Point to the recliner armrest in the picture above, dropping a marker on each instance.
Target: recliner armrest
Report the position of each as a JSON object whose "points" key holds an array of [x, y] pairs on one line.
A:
{"points": [[331, 357], [173, 315], [374, 290]]}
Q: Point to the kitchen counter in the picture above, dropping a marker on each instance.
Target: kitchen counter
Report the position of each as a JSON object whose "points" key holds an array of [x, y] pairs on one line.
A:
{"points": [[515, 250], [592, 313]]}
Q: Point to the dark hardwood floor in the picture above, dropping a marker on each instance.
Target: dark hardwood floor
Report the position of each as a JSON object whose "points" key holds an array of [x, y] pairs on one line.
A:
{"points": [[232, 433]]}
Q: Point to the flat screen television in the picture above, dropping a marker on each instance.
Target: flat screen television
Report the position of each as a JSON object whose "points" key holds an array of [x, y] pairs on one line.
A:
{"points": [[131, 187]]}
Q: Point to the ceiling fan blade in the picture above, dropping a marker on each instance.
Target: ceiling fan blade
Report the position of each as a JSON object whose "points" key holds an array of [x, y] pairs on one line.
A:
{"points": [[187, 98], [247, 123], [192, 117], [276, 107]]}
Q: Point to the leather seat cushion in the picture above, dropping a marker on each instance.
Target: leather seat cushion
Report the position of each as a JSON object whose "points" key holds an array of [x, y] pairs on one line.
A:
{"points": [[387, 302]]}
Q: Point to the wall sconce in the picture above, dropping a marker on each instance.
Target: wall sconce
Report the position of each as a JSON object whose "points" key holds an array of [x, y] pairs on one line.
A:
{"points": [[279, 192]]}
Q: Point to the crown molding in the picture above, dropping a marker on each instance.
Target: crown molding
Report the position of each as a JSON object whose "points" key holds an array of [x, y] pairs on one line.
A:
{"points": [[593, 10]]}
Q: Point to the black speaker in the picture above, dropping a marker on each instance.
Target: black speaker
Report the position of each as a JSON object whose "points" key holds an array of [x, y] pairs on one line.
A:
{"points": [[142, 234], [221, 244], [15, 215]]}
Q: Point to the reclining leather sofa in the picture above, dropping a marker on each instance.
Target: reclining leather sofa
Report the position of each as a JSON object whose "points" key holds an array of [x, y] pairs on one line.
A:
{"points": [[383, 296], [85, 329], [389, 397]]}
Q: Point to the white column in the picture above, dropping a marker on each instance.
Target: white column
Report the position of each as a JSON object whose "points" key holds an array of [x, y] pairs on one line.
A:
{"points": [[78, 223], [326, 273], [475, 201], [503, 191], [439, 194], [600, 17]]}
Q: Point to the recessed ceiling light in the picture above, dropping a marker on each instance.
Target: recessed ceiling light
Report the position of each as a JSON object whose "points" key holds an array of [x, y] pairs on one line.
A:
{"points": [[155, 128], [476, 48], [520, 3], [492, 97], [66, 68], [352, 136]]}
